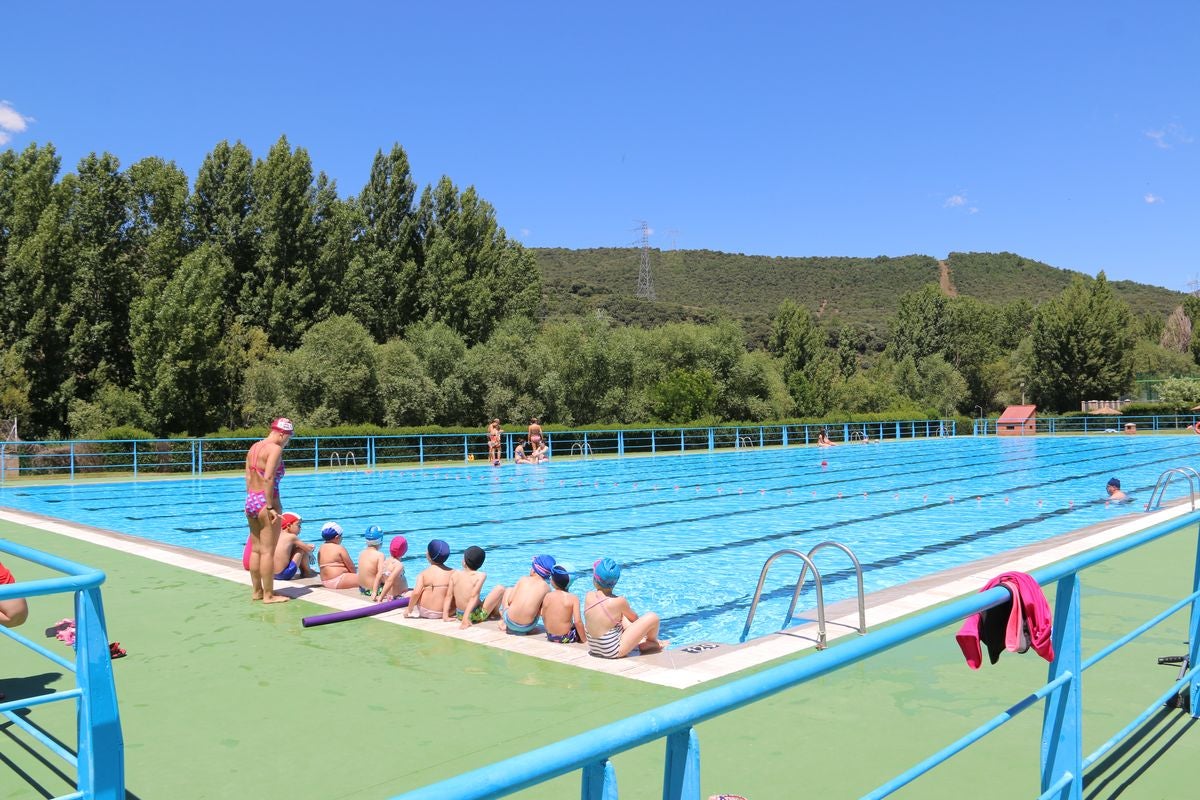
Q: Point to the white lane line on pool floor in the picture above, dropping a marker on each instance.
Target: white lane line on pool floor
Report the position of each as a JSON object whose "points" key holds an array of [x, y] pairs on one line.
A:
{"points": [[673, 668]]}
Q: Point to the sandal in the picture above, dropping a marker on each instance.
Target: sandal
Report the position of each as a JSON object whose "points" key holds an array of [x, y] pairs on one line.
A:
{"points": [[115, 650]]}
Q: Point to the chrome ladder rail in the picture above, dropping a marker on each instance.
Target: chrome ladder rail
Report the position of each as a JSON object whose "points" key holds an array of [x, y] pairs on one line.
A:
{"points": [[762, 578], [584, 449], [350, 459], [1164, 480], [335, 460], [862, 598]]}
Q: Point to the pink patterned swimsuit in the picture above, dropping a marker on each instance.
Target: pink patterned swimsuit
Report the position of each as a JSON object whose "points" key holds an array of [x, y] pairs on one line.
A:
{"points": [[257, 501]]}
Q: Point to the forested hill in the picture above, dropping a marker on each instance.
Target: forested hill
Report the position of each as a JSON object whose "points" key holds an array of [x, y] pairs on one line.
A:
{"points": [[702, 284]]}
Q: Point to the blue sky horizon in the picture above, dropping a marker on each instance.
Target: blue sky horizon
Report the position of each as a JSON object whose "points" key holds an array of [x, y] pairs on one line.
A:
{"points": [[1061, 132]]}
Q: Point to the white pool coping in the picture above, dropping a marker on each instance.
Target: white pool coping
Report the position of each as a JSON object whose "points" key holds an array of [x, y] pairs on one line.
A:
{"points": [[674, 668]]}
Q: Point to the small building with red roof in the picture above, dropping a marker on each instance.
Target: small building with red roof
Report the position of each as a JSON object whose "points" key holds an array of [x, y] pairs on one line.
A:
{"points": [[1017, 421]]}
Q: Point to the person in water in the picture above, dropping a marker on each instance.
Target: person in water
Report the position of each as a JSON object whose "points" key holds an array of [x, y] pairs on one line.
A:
{"points": [[1114, 491], [337, 570], [263, 507], [614, 629], [428, 598]]}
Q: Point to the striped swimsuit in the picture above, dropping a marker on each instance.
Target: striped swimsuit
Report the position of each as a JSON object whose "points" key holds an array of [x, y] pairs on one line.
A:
{"points": [[608, 645]]}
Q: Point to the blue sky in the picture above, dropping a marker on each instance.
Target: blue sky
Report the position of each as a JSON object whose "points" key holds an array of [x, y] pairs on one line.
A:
{"points": [[1066, 132]]}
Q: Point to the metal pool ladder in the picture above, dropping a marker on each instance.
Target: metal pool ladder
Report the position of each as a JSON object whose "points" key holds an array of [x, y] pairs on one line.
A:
{"points": [[1164, 480], [808, 562]]}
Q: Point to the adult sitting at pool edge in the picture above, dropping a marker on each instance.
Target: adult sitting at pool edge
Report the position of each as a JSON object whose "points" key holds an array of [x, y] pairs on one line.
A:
{"points": [[614, 629]]}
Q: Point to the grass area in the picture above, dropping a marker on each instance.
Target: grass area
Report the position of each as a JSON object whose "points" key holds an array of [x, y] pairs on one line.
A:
{"points": [[224, 698]]}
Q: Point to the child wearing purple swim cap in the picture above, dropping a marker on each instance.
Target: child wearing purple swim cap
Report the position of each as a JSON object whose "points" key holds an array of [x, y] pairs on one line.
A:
{"points": [[429, 596], [522, 603]]}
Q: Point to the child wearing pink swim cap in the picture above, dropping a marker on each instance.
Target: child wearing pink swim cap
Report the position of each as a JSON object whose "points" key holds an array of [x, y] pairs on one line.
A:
{"points": [[391, 582]]}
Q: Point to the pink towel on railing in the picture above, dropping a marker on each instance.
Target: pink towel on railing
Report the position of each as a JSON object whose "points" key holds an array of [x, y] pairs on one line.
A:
{"points": [[1022, 622]]}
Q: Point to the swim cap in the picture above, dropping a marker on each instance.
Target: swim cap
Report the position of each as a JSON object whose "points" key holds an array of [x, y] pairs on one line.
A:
{"points": [[542, 565], [330, 530], [283, 425], [438, 551], [1113, 482], [374, 534], [560, 576], [289, 519], [473, 557], [398, 547], [606, 573]]}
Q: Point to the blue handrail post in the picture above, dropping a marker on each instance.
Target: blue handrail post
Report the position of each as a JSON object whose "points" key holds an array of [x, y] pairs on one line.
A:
{"points": [[135, 458], [1062, 734], [783, 429], [846, 432], [620, 443], [200, 456], [599, 781], [1194, 634], [652, 443], [316, 455], [101, 745], [681, 773], [761, 440], [421, 449], [72, 460], [3, 464], [466, 449], [710, 440]]}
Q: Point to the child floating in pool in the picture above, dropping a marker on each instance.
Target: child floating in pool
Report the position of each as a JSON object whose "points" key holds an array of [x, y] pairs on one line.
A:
{"points": [[391, 582], [428, 600], [523, 602], [466, 586], [337, 570], [560, 610], [370, 561], [614, 629]]}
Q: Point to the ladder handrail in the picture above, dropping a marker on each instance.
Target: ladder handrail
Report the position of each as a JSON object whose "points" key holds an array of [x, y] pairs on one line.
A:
{"points": [[862, 598], [762, 578], [1164, 480], [351, 458], [585, 449], [748, 442], [335, 459]]}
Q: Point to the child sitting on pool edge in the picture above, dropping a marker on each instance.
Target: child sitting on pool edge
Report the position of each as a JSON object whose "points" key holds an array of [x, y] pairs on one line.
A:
{"points": [[370, 561], [391, 582], [614, 629], [466, 586], [429, 596], [560, 610], [524, 600]]}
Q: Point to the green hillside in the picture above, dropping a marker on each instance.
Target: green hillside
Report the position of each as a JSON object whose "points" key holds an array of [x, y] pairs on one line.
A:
{"points": [[701, 285]]}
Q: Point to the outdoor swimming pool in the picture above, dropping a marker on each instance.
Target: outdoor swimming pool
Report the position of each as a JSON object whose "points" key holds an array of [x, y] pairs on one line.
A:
{"points": [[690, 531]]}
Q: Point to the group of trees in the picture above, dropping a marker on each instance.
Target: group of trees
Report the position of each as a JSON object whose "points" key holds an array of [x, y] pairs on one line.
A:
{"points": [[129, 296], [132, 299]]}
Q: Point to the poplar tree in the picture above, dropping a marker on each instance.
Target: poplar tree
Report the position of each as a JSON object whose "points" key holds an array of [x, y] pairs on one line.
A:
{"points": [[1082, 346], [219, 213]]}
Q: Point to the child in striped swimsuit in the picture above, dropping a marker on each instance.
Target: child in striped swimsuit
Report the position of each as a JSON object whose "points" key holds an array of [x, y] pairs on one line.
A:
{"points": [[614, 629]]}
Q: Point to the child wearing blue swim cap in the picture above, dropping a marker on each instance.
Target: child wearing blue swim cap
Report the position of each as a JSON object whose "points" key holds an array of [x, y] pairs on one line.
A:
{"points": [[370, 560]]}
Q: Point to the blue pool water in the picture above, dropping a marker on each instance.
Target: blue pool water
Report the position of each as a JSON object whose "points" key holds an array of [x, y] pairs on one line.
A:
{"points": [[691, 531]]}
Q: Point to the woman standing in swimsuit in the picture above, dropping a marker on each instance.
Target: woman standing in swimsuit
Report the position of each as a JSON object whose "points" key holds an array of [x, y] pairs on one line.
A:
{"points": [[535, 433], [264, 470], [493, 435], [614, 629]]}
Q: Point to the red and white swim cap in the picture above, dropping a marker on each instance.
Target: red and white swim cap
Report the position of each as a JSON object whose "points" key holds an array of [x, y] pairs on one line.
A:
{"points": [[283, 425]]}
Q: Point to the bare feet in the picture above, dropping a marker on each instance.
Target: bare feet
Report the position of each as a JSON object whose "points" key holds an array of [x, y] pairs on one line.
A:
{"points": [[256, 596], [276, 598], [647, 647]]}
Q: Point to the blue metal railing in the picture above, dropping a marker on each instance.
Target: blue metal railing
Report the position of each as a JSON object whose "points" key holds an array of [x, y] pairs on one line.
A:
{"points": [[196, 456], [1097, 423], [1062, 759], [99, 759]]}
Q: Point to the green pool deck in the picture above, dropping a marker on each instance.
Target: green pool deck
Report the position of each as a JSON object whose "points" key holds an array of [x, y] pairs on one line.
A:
{"points": [[225, 698]]}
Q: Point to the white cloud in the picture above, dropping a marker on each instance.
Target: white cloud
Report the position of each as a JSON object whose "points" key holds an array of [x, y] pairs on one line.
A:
{"points": [[11, 121], [955, 201], [525, 233], [1152, 199], [1167, 137]]}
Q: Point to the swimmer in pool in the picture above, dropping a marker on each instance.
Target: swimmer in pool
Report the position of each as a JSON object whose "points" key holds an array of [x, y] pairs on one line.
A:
{"points": [[614, 629], [1114, 491]]}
